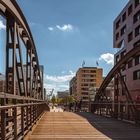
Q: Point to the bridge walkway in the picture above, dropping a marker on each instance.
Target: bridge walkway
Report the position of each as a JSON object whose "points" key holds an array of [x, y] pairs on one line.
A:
{"points": [[81, 126]]}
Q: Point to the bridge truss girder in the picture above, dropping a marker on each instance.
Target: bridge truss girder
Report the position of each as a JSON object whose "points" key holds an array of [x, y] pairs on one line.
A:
{"points": [[101, 101], [20, 109], [26, 75]]}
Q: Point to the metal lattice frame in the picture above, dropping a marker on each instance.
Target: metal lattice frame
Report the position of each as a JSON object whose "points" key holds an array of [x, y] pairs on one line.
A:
{"points": [[17, 29], [20, 110], [99, 103]]}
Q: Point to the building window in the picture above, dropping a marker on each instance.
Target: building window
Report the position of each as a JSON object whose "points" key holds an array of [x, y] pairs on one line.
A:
{"points": [[88, 80], [93, 71], [84, 85], [123, 68], [123, 54], [130, 36], [117, 58], [136, 44], [118, 24], [117, 36], [85, 98], [130, 10], [137, 31], [136, 17], [83, 75], [121, 44], [88, 75], [84, 93], [124, 17], [136, 75], [124, 78], [93, 75], [93, 85], [123, 30], [93, 80], [85, 89], [130, 63], [137, 60], [86, 71], [137, 2]]}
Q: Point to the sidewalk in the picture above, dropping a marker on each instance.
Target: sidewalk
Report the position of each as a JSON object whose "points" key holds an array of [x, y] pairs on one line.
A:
{"points": [[56, 109], [65, 126]]}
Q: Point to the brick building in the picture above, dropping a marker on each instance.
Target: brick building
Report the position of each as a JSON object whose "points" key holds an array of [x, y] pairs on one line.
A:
{"points": [[127, 37], [85, 79]]}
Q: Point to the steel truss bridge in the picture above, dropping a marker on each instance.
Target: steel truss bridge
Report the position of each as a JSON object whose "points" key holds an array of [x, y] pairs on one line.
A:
{"points": [[103, 106], [19, 111]]}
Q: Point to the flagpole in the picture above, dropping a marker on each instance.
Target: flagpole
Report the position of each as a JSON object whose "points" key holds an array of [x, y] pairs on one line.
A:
{"points": [[83, 64], [97, 64]]}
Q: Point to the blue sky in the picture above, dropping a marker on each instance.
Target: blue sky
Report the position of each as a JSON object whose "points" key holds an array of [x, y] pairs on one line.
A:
{"points": [[66, 32]]}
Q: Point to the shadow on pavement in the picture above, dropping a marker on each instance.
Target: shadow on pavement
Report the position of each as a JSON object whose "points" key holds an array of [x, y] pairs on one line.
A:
{"points": [[114, 129]]}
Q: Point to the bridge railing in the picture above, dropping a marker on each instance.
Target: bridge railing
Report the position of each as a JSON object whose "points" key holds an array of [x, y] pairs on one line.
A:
{"points": [[17, 120], [108, 109]]}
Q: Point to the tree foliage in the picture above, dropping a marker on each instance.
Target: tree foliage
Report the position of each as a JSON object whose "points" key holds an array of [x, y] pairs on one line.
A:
{"points": [[66, 100], [53, 100]]}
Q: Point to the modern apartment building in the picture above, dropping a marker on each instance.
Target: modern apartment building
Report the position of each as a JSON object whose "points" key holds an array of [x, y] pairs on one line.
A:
{"points": [[73, 86], [85, 79], [127, 37]]}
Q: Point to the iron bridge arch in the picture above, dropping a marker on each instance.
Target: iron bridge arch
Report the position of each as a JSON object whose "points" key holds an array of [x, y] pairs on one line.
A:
{"points": [[22, 101]]}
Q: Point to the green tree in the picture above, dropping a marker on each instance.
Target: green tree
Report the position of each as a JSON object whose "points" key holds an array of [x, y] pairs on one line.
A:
{"points": [[71, 99], [53, 100]]}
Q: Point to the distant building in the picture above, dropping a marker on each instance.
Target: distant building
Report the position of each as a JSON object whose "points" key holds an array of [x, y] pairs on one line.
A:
{"points": [[85, 79], [2, 83], [63, 94], [72, 85], [28, 81]]}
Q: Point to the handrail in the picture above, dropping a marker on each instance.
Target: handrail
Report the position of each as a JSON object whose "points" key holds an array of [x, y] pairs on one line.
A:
{"points": [[17, 97], [19, 105], [17, 120]]}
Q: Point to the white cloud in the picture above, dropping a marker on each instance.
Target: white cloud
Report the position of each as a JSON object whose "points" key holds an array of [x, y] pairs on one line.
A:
{"points": [[56, 87], [108, 58], [59, 79], [58, 83], [2, 26], [71, 72], [65, 86], [63, 72], [32, 23], [63, 28], [50, 28]]}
